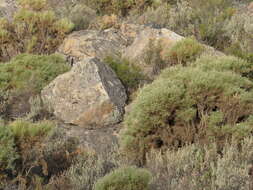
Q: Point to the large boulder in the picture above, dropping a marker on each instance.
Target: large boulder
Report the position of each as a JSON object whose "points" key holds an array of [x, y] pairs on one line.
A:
{"points": [[89, 95], [143, 35], [93, 43], [137, 51]]}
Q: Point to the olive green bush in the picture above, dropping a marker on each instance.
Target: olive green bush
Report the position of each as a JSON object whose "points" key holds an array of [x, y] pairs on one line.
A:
{"points": [[24, 77], [129, 74], [8, 152], [127, 178], [34, 29], [18, 144], [240, 33], [226, 63], [31, 150], [117, 6], [185, 51], [203, 167], [205, 20], [186, 105], [78, 12]]}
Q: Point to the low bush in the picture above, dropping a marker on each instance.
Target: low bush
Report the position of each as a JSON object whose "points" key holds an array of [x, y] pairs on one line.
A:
{"points": [[226, 63], [239, 31], [86, 170], [187, 105], [202, 167], [24, 77], [118, 7], [205, 20], [185, 51], [31, 153], [80, 14], [8, 152], [34, 29], [129, 74], [128, 178], [153, 56]]}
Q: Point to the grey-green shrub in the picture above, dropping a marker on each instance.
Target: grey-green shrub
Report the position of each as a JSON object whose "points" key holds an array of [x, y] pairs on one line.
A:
{"points": [[185, 51], [127, 178], [226, 63], [129, 74], [186, 105], [8, 153], [203, 167], [25, 76]]}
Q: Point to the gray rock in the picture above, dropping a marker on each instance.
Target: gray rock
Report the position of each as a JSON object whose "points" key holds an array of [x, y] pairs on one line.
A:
{"points": [[90, 95], [92, 43], [7, 8]]}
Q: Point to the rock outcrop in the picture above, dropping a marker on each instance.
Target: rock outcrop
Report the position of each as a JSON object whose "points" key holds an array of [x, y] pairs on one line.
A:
{"points": [[165, 38], [138, 49], [92, 43], [90, 95]]}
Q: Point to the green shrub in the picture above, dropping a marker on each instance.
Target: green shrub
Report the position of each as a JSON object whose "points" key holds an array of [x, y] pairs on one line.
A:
{"points": [[205, 20], [236, 50], [34, 29], [226, 63], [8, 152], [25, 76], [23, 130], [128, 178], [129, 74], [153, 56], [239, 31], [22, 141], [79, 13], [185, 51], [119, 7], [186, 105]]}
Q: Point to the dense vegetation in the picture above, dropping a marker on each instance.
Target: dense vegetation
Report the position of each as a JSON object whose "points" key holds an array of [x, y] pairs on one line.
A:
{"points": [[22, 79], [189, 128]]}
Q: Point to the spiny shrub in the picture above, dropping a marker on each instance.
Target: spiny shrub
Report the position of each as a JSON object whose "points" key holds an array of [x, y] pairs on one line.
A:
{"points": [[226, 63], [128, 178], [129, 74], [185, 51], [25, 76], [187, 105], [34, 29]]}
